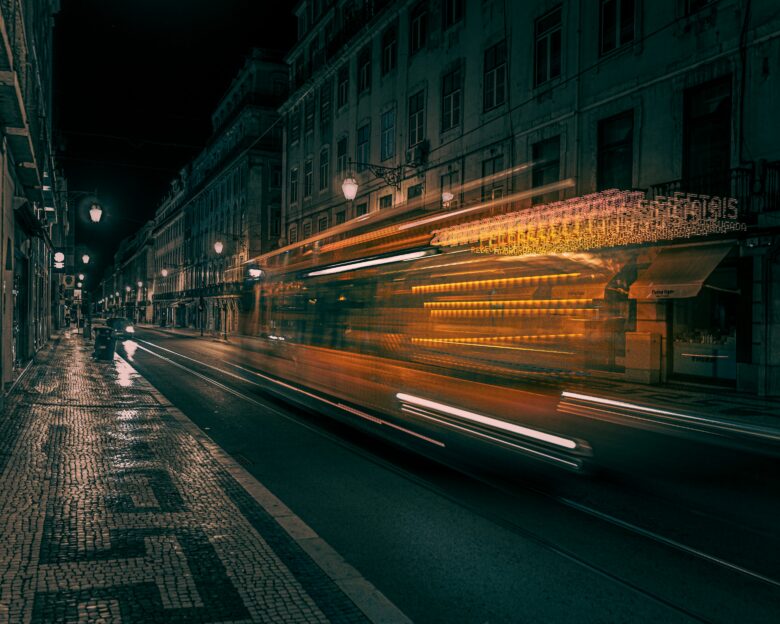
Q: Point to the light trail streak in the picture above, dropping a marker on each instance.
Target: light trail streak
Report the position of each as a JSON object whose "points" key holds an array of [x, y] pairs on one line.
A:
{"points": [[527, 432]]}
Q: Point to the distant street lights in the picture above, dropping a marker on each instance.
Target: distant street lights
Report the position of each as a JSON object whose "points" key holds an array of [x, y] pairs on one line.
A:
{"points": [[218, 247], [85, 258], [164, 272], [81, 276]]}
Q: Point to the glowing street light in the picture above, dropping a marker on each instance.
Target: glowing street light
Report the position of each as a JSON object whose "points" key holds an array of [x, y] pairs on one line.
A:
{"points": [[59, 257], [140, 284], [218, 247], [350, 188], [164, 272], [128, 289], [117, 293], [255, 272], [78, 285], [81, 276], [85, 258], [95, 213]]}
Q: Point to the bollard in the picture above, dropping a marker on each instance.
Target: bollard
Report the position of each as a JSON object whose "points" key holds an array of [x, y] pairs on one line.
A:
{"points": [[105, 343]]}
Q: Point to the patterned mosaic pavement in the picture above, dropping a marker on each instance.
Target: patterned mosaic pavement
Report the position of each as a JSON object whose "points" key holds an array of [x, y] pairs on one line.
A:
{"points": [[115, 508]]}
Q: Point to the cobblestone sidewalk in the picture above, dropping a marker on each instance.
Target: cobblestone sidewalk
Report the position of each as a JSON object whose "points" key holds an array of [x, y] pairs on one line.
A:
{"points": [[116, 508]]}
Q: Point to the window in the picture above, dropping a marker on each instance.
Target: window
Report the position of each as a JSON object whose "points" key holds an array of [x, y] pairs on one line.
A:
{"points": [[617, 24], [546, 157], [276, 222], [453, 12], [340, 217], [706, 157], [389, 49], [450, 100], [548, 46], [361, 209], [615, 152], [387, 138], [308, 174], [362, 147], [691, 6], [276, 177], [326, 95], [324, 169], [494, 86], [293, 185], [418, 27], [449, 189], [414, 191], [322, 223], [386, 201], [295, 124], [343, 88], [364, 69], [306, 229], [293, 234], [492, 179], [308, 117], [416, 118], [341, 156]]}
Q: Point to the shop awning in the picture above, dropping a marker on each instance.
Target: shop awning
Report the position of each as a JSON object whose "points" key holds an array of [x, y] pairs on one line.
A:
{"points": [[679, 272]]}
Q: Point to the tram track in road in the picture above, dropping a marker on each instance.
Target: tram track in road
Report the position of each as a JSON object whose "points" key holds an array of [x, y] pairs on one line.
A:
{"points": [[512, 499]]}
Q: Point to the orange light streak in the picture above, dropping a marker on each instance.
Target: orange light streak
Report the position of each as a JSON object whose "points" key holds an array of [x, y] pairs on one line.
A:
{"points": [[495, 283], [511, 312], [512, 303]]}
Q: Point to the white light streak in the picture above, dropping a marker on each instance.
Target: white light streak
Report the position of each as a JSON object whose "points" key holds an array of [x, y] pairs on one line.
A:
{"points": [[354, 266], [487, 420]]}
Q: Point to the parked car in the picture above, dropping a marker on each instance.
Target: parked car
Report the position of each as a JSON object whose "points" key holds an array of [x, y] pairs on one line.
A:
{"points": [[121, 326]]}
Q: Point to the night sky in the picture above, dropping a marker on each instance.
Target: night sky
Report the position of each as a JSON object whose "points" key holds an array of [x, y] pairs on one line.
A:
{"points": [[135, 83]]}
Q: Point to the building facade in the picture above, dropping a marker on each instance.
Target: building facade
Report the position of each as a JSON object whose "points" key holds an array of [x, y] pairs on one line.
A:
{"points": [[446, 103], [31, 213], [228, 206]]}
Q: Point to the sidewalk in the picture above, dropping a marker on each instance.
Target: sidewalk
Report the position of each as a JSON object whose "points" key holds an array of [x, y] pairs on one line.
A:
{"points": [[117, 508]]}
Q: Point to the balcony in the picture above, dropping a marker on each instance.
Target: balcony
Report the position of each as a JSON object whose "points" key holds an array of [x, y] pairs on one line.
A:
{"points": [[757, 189]]}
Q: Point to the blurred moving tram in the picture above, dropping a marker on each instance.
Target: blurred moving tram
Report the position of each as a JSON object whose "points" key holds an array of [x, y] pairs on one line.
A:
{"points": [[441, 347]]}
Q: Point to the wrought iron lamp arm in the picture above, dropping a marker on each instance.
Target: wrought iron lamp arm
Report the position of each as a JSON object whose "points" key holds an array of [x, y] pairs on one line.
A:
{"points": [[391, 175]]}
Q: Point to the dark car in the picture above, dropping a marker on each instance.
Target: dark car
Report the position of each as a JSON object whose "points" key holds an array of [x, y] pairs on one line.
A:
{"points": [[121, 326]]}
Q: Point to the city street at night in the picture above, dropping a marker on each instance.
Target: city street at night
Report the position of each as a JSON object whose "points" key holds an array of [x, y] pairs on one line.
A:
{"points": [[389, 311]]}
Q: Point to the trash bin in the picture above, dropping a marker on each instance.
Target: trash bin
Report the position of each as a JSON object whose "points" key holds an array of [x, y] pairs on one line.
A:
{"points": [[105, 343]]}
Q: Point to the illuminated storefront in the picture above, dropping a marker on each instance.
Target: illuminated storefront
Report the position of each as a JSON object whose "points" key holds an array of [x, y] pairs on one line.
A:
{"points": [[624, 285]]}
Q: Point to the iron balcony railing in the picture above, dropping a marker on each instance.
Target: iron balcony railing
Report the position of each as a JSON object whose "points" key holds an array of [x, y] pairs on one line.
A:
{"points": [[757, 188]]}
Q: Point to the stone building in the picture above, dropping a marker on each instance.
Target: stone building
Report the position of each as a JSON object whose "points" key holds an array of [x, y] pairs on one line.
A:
{"points": [[462, 101], [168, 274], [227, 208], [30, 210]]}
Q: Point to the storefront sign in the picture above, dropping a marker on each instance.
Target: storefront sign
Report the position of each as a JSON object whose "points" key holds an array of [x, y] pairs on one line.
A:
{"points": [[607, 219]]}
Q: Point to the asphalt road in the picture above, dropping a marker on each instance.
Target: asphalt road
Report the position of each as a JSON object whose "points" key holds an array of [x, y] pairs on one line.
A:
{"points": [[446, 546]]}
